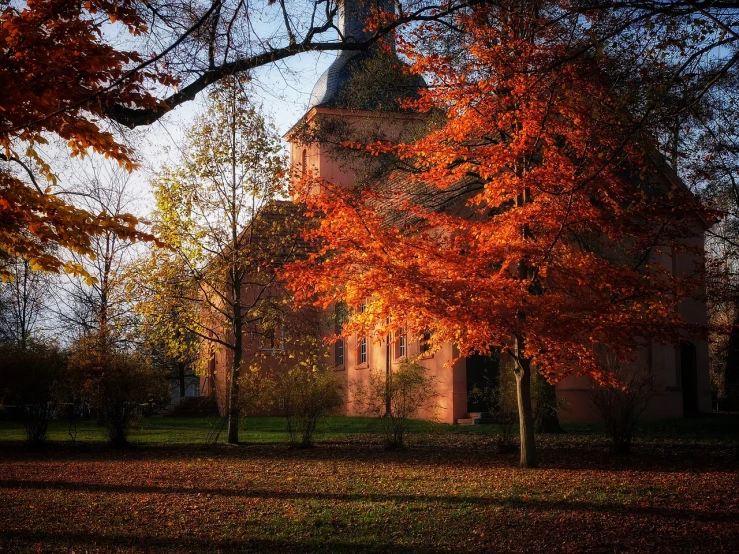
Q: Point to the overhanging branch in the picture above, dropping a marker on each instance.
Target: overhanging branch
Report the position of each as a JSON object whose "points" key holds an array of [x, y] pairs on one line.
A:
{"points": [[136, 117]]}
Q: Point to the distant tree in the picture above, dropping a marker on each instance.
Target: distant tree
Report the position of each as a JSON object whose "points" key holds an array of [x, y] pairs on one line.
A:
{"points": [[24, 298], [99, 300], [218, 208], [31, 375]]}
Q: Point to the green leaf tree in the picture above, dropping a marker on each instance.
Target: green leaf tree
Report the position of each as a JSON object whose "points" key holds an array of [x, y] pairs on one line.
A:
{"points": [[218, 208]]}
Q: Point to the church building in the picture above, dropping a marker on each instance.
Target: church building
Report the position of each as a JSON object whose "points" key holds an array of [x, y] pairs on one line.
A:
{"points": [[334, 105]]}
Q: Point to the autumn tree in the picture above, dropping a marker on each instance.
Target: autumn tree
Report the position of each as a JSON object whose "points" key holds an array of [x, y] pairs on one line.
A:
{"points": [[519, 224], [58, 76], [218, 208], [164, 297]]}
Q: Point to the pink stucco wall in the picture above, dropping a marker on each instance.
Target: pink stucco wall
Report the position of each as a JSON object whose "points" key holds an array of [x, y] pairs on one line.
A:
{"points": [[449, 375]]}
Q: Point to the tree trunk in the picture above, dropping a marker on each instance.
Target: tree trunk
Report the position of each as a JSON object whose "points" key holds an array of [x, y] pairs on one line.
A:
{"points": [[388, 372], [233, 400], [236, 280], [731, 369], [525, 413]]}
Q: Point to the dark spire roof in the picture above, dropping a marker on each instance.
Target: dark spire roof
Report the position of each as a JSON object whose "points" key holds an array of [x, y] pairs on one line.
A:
{"points": [[326, 90], [352, 17]]}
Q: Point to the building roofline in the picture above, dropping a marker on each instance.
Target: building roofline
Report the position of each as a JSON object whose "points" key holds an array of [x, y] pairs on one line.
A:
{"points": [[343, 112]]}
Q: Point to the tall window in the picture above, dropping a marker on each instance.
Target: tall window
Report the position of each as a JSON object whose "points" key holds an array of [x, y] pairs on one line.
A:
{"points": [[425, 345], [304, 162], [400, 346], [362, 350], [339, 352], [340, 314]]}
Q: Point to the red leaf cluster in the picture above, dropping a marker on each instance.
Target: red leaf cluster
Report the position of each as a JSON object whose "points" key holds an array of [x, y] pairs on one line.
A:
{"points": [[57, 75], [537, 209]]}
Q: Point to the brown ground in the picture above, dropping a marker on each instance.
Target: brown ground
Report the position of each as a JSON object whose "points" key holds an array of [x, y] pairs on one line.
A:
{"points": [[451, 494]]}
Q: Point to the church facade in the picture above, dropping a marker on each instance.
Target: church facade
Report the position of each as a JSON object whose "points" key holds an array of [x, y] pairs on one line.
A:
{"points": [[681, 370]]}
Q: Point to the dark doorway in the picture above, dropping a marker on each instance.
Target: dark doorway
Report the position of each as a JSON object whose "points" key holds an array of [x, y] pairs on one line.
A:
{"points": [[483, 377], [689, 378]]}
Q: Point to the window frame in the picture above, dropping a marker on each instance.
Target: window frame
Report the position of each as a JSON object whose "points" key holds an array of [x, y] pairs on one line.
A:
{"points": [[340, 353], [272, 339], [362, 344], [400, 352]]}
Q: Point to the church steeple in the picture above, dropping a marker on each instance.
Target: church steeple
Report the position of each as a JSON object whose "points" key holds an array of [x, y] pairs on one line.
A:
{"points": [[353, 16], [356, 97]]}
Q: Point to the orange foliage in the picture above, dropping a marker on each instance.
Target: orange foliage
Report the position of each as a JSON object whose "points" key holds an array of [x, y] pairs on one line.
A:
{"points": [[57, 75], [535, 210]]}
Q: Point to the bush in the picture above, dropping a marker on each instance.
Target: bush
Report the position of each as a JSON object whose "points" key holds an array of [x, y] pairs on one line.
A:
{"points": [[124, 386], [30, 378], [303, 395], [622, 401], [115, 383], [409, 390], [306, 397]]}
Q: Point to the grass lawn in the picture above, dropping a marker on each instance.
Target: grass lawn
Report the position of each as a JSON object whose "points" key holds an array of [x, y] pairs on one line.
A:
{"points": [[450, 491]]}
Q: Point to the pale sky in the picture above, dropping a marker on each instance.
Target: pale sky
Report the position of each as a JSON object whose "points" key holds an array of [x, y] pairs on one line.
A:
{"points": [[283, 90]]}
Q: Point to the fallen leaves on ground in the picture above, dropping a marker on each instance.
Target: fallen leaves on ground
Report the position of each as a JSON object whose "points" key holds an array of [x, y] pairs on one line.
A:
{"points": [[456, 495]]}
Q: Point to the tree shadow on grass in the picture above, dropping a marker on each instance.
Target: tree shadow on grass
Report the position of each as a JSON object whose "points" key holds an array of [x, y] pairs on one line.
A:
{"points": [[569, 455], [559, 505]]}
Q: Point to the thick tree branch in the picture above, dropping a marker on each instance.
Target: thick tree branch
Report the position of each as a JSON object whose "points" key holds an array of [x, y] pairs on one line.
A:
{"points": [[31, 176], [132, 117]]}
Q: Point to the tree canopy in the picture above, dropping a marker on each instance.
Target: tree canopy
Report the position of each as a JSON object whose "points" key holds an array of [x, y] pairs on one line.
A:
{"points": [[57, 78], [65, 70], [531, 219]]}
